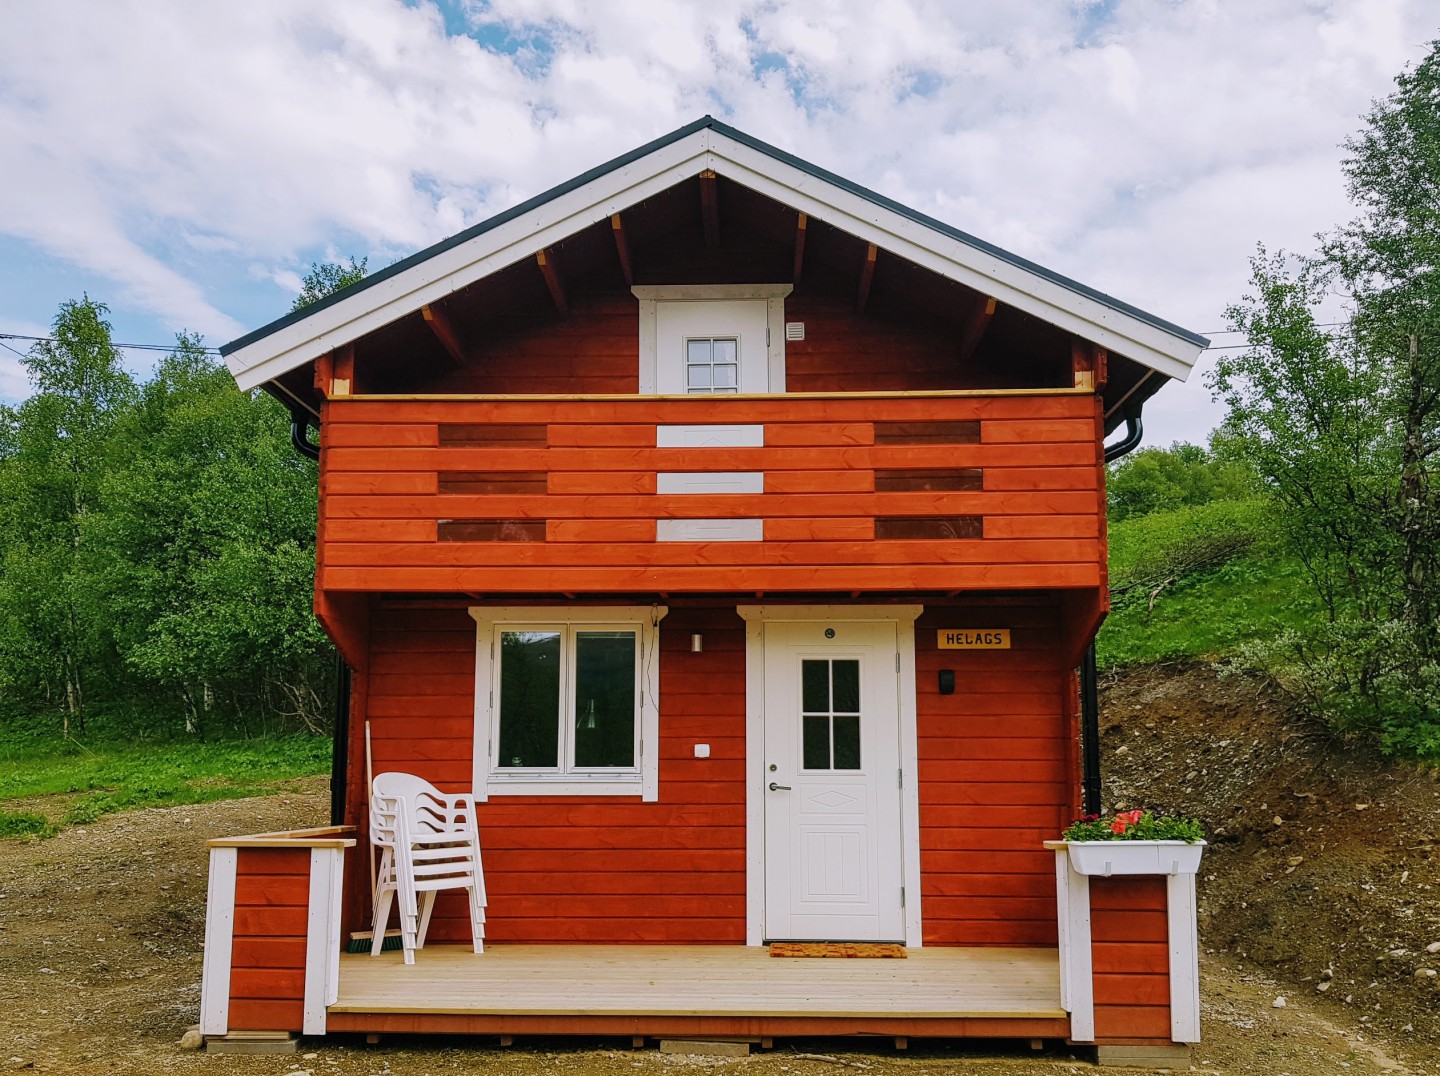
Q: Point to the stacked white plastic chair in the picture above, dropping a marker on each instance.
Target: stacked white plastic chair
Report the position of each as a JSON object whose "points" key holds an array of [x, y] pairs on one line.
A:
{"points": [[429, 841]]}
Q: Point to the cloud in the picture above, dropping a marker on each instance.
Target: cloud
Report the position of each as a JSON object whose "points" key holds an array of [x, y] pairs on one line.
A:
{"points": [[184, 149]]}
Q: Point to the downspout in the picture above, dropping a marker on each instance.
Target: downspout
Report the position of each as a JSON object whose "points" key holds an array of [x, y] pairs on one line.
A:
{"points": [[338, 759], [1089, 685], [300, 422]]}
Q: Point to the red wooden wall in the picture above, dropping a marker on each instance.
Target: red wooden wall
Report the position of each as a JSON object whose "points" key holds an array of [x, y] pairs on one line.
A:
{"points": [[996, 774], [995, 762], [1130, 948], [267, 965], [884, 493], [568, 868], [593, 350]]}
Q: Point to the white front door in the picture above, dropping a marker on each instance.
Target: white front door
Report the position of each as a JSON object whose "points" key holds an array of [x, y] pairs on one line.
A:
{"points": [[833, 847]]}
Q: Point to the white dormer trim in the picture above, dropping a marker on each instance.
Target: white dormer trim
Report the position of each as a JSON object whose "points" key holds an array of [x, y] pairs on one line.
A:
{"points": [[651, 295], [613, 191]]}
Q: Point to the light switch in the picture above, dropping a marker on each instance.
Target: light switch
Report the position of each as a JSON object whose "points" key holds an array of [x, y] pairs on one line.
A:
{"points": [[702, 750]]}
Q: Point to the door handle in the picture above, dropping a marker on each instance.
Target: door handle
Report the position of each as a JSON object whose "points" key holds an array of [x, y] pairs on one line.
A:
{"points": [[779, 788]]}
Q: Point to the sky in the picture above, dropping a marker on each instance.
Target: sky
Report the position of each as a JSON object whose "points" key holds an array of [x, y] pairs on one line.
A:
{"points": [[186, 162]]}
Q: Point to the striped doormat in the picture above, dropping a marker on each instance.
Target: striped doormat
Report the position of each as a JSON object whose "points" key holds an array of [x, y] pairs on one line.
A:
{"points": [[882, 950]]}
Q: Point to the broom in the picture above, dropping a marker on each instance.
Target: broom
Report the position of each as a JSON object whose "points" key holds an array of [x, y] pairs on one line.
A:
{"points": [[360, 940]]}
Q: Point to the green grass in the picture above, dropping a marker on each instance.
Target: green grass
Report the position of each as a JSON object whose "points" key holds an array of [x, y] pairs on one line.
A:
{"points": [[1208, 614], [101, 776], [1209, 618]]}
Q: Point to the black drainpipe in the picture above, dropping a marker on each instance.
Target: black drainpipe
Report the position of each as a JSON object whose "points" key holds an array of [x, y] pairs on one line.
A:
{"points": [[300, 423], [338, 759], [1089, 688]]}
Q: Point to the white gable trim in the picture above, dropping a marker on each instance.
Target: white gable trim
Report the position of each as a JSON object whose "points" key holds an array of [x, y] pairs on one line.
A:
{"points": [[513, 240]]}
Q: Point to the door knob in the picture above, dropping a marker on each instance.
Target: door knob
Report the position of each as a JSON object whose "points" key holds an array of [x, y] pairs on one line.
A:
{"points": [[779, 788]]}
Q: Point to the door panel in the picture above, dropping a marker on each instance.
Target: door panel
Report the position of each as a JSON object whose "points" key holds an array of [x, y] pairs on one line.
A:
{"points": [[712, 346], [832, 818]]}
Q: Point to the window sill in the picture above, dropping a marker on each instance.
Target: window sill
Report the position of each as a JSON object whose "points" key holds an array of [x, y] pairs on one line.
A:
{"points": [[629, 785]]}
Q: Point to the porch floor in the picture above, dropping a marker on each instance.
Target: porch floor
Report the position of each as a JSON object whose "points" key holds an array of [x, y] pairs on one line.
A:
{"points": [[701, 981]]}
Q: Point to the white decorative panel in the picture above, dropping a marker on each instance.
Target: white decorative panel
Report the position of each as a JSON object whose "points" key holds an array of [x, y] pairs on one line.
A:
{"points": [[709, 530], [710, 482], [709, 436], [833, 865]]}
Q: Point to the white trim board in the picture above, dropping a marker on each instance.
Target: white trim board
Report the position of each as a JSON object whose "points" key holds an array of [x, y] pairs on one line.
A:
{"points": [[219, 942], [755, 617], [322, 937], [613, 191]]}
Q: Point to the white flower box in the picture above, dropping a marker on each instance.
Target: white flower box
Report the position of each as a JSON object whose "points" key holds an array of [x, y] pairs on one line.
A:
{"points": [[1105, 858]]}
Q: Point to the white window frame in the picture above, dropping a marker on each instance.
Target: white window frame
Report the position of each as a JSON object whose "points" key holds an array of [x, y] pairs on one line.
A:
{"points": [[492, 780], [650, 295]]}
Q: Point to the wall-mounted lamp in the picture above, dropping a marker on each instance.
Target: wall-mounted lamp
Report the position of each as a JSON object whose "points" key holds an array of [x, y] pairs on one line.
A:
{"points": [[697, 643]]}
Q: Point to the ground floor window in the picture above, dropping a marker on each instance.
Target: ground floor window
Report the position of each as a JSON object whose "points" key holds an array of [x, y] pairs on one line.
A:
{"points": [[567, 700]]}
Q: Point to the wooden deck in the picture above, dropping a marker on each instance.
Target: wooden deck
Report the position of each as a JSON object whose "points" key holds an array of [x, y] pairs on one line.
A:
{"points": [[690, 989]]}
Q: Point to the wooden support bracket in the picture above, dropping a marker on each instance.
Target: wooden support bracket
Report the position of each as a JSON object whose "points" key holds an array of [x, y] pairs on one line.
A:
{"points": [[444, 330], [979, 321], [801, 222], [1088, 362], [335, 372], [546, 260], [710, 207], [867, 277], [622, 249]]}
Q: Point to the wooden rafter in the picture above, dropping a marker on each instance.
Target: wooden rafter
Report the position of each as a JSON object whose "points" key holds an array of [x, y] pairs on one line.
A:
{"points": [[551, 273], [975, 326], [444, 330], [622, 249], [867, 277], [710, 207], [801, 222]]}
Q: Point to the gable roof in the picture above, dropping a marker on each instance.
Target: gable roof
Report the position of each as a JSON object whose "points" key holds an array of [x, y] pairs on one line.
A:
{"points": [[440, 270]]}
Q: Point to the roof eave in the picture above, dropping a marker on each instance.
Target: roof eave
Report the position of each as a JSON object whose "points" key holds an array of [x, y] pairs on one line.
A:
{"points": [[518, 233]]}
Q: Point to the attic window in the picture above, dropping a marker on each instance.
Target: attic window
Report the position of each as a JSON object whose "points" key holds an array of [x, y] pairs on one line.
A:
{"points": [[712, 339], [712, 365]]}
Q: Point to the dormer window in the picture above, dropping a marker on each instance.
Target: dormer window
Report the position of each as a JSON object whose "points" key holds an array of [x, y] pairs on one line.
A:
{"points": [[712, 365], [712, 339]]}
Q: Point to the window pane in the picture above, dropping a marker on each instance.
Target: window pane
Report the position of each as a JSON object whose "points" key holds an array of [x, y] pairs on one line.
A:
{"points": [[604, 698], [529, 699], [816, 750], [847, 685], [847, 742], [815, 686], [725, 376], [697, 351], [725, 350], [698, 377]]}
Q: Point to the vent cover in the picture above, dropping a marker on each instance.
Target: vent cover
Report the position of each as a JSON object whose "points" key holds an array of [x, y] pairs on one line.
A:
{"points": [[794, 330]]}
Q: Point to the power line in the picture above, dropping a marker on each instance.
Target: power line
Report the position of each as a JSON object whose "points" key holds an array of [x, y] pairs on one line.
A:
{"points": [[126, 347], [216, 350]]}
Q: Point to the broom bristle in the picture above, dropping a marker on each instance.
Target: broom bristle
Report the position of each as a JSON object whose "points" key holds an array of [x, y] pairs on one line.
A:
{"points": [[360, 941]]}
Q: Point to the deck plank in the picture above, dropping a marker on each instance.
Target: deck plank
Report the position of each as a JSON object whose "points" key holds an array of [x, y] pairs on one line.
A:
{"points": [[701, 980]]}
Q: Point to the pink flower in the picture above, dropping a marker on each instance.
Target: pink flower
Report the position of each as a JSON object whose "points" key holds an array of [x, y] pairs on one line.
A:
{"points": [[1124, 820]]}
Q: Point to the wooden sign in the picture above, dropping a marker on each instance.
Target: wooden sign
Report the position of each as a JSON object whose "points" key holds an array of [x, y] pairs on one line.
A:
{"points": [[974, 639]]}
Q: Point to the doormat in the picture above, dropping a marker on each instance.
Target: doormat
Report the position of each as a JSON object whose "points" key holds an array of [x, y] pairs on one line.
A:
{"points": [[884, 950]]}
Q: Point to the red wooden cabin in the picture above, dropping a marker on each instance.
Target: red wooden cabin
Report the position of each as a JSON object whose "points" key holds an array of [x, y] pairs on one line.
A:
{"points": [[734, 534]]}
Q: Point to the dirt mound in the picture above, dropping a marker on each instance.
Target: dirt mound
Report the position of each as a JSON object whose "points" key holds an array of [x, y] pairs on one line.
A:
{"points": [[1322, 871]]}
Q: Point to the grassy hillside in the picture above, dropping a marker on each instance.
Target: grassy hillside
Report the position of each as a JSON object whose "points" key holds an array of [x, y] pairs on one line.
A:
{"points": [[1197, 581], [48, 781]]}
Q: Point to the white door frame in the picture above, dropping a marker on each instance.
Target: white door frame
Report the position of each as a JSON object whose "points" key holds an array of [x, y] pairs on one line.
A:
{"points": [[755, 616]]}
